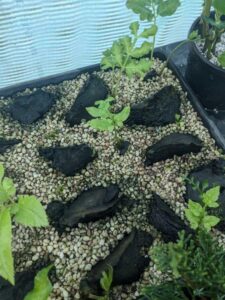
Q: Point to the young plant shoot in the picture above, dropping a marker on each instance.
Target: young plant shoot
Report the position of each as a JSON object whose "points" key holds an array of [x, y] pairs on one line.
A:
{"points": [[212, 27], [195, 265], [105, 120], [42, 286], [126, 57], [23, 209], [150, 10], [106, 284]]}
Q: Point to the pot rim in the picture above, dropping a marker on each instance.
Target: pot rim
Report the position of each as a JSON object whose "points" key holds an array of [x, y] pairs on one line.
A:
{"points": [[200, 54]]}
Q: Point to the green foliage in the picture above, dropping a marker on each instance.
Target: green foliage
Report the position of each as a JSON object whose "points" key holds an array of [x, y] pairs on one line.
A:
{"points": [[213, 27], [221, 59], [148, 10], [165, 291], [197, 213], [126, 57], [27, 210], [195, 264], [6, 258], [105, 283], [30, 212], [42, 286], [105, 120], [219, 6]]}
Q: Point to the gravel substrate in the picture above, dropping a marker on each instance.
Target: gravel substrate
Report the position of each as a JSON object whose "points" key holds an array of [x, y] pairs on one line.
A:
{"points": [[77, 250], [220, 48]]}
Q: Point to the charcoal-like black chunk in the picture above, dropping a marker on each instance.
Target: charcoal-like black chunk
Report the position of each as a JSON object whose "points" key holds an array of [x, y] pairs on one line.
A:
{"points": [[158, 110], [127, 260], [164, 219], [30, 108], [7, 144], [93, 90], [24, 284], [69, 160], [174, 144], [91, 205]]}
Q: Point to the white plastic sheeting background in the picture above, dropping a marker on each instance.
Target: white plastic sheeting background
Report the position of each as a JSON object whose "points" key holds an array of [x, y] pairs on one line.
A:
{"points": [[39, 38]]}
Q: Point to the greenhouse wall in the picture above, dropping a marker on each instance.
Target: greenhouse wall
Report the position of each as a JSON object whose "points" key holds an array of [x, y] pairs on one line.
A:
{"points": [[41, 38]]}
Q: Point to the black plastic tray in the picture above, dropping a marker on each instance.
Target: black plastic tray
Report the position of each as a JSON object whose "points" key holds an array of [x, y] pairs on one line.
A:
{"points": [[214, 121]]}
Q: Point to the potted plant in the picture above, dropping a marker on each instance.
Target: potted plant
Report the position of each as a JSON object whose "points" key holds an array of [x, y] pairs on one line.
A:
{"points": [[206, 62]]}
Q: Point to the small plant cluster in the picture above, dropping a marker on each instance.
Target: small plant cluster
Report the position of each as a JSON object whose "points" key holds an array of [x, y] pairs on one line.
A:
{"points": [[195, 264], [213, 27], [105, 119], [106, 284], [125, 57], [23, 209]]}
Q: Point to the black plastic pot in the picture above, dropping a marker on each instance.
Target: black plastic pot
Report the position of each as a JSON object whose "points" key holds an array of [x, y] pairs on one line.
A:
{"points": [[206, 79]]}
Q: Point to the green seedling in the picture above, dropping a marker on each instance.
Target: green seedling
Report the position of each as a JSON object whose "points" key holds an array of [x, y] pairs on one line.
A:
{"points": [[126, 57], [23, 209], [106, 284], [105, 119], [213, 28], [197, 213], [179, 120], [42, 286]]}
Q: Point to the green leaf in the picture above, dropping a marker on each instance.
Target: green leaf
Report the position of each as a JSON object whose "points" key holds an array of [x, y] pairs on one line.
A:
{"points": [[145, 49], [219, 5], [149, 31], [30, 212], [210, 198], [134, 27], [101, 124], [106, 279], [139, 68], [123, 115], [195, 208], [42, 286], [168, 7], [127, 44], [2, 172], [9, 187], [193, 35], [210, 221], [142, 8], [108, 60], [117, 53], [6, 258], [96, 112], [193, 220], [221, 59]]}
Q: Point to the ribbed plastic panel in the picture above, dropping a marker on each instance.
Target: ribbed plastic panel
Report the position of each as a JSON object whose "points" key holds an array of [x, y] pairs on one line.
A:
{"points": [[39, 38]]}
